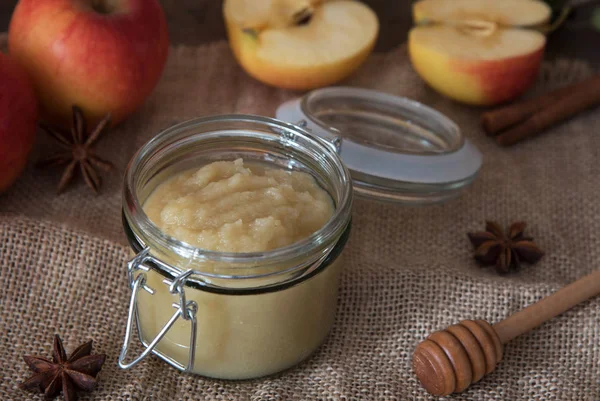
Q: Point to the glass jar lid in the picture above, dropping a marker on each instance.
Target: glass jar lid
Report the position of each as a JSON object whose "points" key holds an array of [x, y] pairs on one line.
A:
{"points": [[396, 149]]}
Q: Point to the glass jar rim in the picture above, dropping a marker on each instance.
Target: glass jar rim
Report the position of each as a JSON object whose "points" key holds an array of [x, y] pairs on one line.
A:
{"points": [[334, 227], [396, 149], [451, 136]]}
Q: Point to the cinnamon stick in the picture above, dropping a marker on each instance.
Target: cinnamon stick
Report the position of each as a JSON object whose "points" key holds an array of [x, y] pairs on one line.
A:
{"points": [[581, 97], [497, 120]]}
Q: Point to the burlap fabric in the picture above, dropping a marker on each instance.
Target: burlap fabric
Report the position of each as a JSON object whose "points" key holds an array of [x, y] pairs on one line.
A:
{"points": [[410, 270]]}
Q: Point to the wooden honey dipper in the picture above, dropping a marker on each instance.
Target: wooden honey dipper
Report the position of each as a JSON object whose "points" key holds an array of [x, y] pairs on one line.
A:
{"points": [[448, 361]]}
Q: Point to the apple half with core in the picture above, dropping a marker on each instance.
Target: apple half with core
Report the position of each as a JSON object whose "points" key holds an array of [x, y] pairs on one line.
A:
{"points": [[481, 52], [300, 44], [18, 119], [101, 55]]}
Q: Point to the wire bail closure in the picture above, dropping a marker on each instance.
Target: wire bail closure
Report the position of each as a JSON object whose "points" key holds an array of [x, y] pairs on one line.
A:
{"points": [[332, 141], [184, 309]]}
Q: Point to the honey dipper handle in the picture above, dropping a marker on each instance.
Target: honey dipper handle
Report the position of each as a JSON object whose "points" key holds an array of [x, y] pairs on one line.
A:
{"points": [[549, 307]]}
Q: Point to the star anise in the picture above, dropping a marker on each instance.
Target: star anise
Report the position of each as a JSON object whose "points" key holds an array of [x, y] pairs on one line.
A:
{"points": [[505, 250], [78, 372], [77, 151]]}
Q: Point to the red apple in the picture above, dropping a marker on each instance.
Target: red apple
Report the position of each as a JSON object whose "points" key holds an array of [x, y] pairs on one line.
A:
{"points": [[18, 115], [478, 51], [102, 55]]}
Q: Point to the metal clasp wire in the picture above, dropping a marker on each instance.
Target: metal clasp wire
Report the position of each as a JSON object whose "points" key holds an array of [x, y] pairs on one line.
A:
{"points": [[137, 263], [186, 310], [331, 140]]}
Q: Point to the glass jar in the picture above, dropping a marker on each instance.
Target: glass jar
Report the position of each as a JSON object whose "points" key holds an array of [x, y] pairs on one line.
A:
{"points": [[232, 315], [245, 315]]}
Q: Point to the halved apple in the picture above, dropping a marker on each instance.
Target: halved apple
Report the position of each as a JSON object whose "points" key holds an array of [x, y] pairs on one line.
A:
{"points": [[480, 52], [300, 44]]}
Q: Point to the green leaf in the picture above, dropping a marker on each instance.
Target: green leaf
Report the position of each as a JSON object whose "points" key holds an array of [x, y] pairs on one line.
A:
{"points": [[596, 18]]}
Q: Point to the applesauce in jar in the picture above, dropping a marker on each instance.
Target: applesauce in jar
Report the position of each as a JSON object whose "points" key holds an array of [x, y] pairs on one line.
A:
{"points": [[238, 223], [232, 206]]}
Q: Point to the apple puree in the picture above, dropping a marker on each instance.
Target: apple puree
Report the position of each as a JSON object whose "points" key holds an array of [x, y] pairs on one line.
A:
{"points": [[233, 207], [240, 207]]}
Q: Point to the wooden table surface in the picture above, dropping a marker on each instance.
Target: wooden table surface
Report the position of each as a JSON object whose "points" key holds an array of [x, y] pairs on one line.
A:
{"points": [[194, 22]]}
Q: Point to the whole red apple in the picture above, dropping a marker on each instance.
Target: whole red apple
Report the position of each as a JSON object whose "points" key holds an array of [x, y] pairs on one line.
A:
{"points": [[18, 115], [102, 55]]}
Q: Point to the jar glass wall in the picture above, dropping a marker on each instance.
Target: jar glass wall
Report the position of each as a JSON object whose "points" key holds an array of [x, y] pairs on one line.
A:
{"points": [[255, 313]]}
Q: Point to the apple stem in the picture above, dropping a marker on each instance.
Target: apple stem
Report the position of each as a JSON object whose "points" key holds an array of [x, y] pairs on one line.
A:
{"points": [[562, 17]]}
